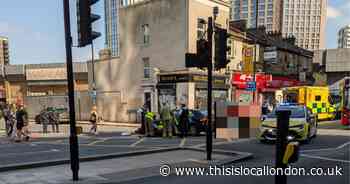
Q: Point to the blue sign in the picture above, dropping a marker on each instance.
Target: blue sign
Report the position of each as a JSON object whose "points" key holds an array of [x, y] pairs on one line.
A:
{"points": [[251, 85]]}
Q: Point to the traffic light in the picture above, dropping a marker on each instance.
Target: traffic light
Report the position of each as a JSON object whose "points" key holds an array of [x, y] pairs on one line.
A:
{"points": [[221, 48], [85, 19], [203, 52], [202, 57]]}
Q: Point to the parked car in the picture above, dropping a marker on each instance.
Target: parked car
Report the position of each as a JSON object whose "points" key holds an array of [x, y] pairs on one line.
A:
{"points": [[302, 124], [197, 122]]}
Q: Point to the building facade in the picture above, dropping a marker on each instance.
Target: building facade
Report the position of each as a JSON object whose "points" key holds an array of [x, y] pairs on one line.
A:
{"points": [[269, 13], [344, 37], [306, 21], [4, 51], [335, 63], [155, 35]]}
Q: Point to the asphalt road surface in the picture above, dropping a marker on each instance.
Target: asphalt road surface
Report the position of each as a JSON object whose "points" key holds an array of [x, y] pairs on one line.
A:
{"points": [[323, 152], [48, 149]]}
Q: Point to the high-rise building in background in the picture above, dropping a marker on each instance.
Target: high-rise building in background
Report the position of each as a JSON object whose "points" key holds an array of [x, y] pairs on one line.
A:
{"points": [[344, 37], [111, 26], [306, 21], [303, 19], [4, 51], [269, 13], [112, 23]]}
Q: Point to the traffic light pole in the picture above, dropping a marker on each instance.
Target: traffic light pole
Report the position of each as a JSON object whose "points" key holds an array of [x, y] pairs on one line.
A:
{"points": [[73, 139], [93, 64], [281, 143], [210, 79], [255, 48]]}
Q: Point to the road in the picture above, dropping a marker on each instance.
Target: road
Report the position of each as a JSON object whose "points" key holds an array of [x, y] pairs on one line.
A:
{"points": [[57, 148], [324, 151]]}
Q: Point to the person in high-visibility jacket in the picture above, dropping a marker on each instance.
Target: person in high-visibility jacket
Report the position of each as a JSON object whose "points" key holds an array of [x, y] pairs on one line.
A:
{"points": [[149, 118], [166, 117]]}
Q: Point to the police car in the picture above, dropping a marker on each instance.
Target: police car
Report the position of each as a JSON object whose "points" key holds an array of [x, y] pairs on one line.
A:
{"points": [[302, 124]]}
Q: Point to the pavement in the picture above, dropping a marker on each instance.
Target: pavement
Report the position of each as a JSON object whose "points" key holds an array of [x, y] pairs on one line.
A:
{"points": [[332, 125]]}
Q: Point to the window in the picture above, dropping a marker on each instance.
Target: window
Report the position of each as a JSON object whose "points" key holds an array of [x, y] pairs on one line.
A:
{"points": [[145, 31], [200, 28], [318, 98], [146, 68]]}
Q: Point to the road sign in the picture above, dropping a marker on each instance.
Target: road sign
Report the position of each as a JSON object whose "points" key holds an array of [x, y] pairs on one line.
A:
{"points": [[93, 95], [248, 65], [251, 86]]}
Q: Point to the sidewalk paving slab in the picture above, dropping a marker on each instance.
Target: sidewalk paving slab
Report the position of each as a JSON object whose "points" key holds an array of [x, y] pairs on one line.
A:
{"points": [[114, 170]]}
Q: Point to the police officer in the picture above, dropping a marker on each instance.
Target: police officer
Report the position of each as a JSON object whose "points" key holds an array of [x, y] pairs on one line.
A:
{"points": [[149, 118], [183, 124], [167, 120]]}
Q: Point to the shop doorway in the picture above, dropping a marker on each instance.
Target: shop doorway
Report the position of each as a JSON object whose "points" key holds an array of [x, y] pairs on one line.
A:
{"points": [[148, 101]]}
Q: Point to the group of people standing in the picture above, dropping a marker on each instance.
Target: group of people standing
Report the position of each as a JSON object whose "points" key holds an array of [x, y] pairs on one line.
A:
{"points": [[16, 121], [167, 117]]}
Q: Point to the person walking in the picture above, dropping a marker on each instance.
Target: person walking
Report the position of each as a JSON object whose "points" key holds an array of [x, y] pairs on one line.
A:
{"points": [[22, 124], [167, 120], [149, 118], [3, 125], [54, 121], [183, 124], [10, 117], [93, 120], [8, 124], [44, 119]]}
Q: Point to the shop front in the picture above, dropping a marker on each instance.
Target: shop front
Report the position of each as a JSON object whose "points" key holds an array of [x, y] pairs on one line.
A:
{"points": [[267, 88], [189, 89]]}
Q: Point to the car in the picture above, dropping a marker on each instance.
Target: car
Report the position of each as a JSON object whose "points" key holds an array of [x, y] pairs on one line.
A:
{"points": [[197, 120], [302, 124]]}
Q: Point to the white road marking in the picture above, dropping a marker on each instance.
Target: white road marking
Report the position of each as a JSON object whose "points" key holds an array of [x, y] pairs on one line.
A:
{"points": [[324, 158], [182, 143], [137, 142], [326, 149], [97, 141]]}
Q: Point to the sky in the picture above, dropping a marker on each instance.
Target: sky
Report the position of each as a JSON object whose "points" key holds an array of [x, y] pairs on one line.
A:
{"points": [[36, 31]]}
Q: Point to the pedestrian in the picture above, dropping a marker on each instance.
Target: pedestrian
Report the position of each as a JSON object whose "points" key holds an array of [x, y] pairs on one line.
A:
{"points": [[10, 116], [149, 118], [183, 124], [166, 118], [54, 121], [22, 124], [93, 120], [9, 125], [2, 119], [44, 118]]}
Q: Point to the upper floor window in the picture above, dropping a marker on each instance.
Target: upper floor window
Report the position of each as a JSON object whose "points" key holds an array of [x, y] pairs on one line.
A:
{"points": [[146, 68], [146, 33]]}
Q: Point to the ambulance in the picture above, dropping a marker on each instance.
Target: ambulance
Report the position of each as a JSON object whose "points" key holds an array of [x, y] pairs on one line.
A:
{"points": [[317, 99]]}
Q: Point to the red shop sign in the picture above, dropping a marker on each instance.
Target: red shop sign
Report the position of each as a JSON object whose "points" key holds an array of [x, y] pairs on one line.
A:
{"points": [[279, 82], [240, 80]]}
